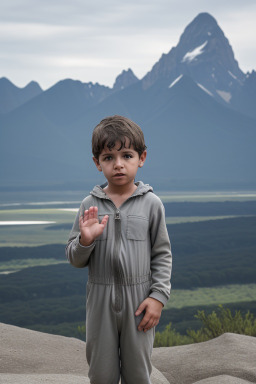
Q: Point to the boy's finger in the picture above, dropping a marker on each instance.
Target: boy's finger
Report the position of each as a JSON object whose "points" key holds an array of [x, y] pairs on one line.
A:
{"points": [[91, 212], [95, 212], [140, 309], [104, 220], [143, 324], [148, 326]]}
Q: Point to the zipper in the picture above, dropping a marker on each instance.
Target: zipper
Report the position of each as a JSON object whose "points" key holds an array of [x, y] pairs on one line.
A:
{"points": [[117, 215], [116, 263]]}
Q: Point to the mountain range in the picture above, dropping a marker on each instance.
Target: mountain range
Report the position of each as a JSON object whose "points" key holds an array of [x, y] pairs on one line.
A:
{"points": [[195, 106]]}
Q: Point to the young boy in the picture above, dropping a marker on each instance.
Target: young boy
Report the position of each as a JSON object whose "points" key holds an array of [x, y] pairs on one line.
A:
{"points": [[120, 234]]}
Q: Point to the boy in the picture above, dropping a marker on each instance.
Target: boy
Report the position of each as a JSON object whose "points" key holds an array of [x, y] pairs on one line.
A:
{"points": [[120, 234]]}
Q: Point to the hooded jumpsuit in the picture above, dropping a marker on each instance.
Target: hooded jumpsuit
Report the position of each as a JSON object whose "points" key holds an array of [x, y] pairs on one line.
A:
{"points": [[129, 262]]}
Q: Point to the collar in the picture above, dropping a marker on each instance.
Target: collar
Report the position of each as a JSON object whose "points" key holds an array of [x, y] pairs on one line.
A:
{"points": [[141, 189]]}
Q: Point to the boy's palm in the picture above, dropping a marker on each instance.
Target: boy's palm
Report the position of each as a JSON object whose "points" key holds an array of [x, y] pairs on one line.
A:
{"points": [[90, 227]]}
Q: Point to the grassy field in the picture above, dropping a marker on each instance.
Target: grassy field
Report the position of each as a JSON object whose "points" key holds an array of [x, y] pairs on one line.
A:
{"points": [[209, 296], [206, 196], [16, 265]]}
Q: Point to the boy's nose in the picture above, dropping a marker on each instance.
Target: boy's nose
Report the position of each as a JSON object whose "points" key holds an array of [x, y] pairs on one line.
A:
{"points": [[118, 163]]}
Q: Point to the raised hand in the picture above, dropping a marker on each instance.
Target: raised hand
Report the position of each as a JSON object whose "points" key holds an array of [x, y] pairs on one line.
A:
{"points": [[90, 227]]}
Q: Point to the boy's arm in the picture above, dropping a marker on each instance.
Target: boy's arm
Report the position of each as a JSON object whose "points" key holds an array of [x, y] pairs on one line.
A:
{"points": [[86, 228], [161, 256], [77, 254], [161, 266]]}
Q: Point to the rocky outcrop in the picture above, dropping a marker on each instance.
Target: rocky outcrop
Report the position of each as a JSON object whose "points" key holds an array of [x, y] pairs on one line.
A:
{"points": [[227, 359], [30, 357], [33, 357], [124, 80]]}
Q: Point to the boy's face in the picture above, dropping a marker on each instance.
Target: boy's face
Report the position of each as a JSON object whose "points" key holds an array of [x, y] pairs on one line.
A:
{"points": [[120, 166]]}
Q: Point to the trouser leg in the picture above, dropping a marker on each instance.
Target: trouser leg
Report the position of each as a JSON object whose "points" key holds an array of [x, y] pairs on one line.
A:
{"points": [[102, 339], [135, 347]]}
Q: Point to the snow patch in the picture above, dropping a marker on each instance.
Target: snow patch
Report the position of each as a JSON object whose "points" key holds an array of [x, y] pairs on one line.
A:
{"points": [[209, 34], [226, 96], [232, 75], [190, 56], [26, 222], [175, 81], [204, 89]]}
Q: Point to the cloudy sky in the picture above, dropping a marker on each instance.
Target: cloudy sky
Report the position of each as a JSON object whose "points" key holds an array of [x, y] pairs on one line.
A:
{"points": [[50, 40]]}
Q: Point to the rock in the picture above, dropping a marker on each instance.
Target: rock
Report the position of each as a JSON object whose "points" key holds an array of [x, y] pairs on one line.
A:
{"points": [[6, 378], [230, 358], [30, 357], [222, 379], [23, 351]]}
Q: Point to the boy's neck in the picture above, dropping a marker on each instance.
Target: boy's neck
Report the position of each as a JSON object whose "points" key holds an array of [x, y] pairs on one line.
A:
{"points": [[118, 194]]}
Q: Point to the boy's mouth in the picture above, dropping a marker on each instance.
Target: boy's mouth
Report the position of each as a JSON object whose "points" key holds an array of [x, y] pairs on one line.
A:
{"points": [[118, 174]]}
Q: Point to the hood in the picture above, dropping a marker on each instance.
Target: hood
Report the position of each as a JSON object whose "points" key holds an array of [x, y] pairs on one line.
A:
{"points": [[141, 190]]}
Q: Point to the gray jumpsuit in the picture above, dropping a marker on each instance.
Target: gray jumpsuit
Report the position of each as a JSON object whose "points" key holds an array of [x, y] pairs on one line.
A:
{"points": [[129, 262]]}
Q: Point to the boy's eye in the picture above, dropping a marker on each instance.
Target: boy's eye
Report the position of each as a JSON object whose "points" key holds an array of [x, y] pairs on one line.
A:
{"points": [[127, 156], [108, 158]]}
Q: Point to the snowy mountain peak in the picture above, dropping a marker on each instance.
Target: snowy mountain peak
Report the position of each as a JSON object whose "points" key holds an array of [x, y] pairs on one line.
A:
{"points": [[204, 54]]}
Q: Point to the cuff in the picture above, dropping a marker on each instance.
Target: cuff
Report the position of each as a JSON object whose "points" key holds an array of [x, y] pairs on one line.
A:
{"points": [[77, 254], [159, 296]]}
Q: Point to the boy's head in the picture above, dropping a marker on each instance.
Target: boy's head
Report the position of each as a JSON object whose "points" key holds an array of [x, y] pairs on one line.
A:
{"points": [[115, 129]]}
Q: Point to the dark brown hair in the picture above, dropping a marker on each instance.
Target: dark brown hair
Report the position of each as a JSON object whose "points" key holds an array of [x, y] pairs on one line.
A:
{"points": [[114, 129]]}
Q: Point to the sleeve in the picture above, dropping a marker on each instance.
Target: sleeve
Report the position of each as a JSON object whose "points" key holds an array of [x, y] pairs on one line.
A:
{"points": [[77, 254], [161, 256]]}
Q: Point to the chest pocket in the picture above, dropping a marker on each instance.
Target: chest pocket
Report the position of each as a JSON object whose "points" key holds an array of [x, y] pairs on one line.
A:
{"points": [[137, 227], [104, 234]]}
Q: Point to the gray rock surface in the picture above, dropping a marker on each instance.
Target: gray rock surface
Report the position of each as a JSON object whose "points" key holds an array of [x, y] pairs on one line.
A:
{"points": [[30, 357], [42, 379], [229, 358], [23, 351], [223, 379]]}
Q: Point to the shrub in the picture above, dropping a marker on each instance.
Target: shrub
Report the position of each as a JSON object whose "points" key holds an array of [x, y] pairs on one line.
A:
{"points": [[169, 337], [216, 324]]}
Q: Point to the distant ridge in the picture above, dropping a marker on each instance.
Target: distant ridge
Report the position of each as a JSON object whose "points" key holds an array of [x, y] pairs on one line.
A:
{"points": [[12, 97]]}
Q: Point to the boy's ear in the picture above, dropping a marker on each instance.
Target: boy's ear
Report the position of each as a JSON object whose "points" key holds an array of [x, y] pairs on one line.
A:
{"points": [[142, 158], [96, 162]]}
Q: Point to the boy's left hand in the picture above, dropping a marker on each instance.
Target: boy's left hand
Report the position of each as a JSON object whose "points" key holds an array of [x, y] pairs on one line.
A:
{"points": [[153, 309]]}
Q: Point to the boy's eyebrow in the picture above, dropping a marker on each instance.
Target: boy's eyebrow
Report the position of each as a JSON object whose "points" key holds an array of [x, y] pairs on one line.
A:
{"points": [[123, 150], [106, 154]]}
